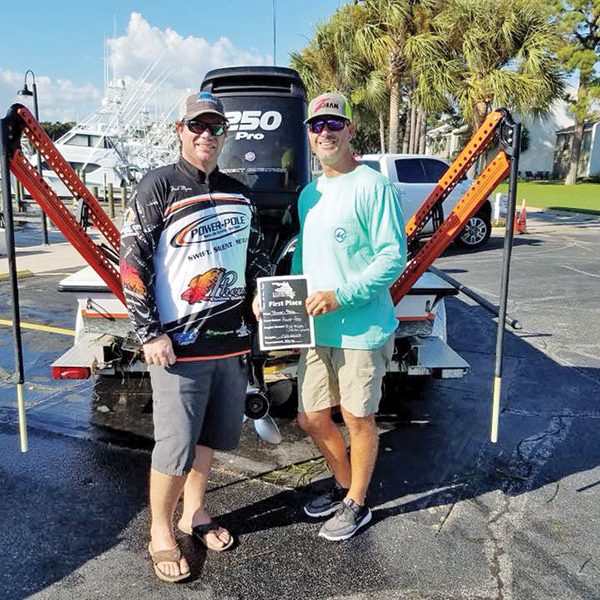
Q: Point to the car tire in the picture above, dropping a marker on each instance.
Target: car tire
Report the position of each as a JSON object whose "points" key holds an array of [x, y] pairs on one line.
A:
{"points": [[476, 233]]}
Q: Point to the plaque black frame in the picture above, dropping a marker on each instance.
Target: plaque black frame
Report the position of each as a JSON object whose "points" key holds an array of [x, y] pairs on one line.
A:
{"points": [[298, 291]]}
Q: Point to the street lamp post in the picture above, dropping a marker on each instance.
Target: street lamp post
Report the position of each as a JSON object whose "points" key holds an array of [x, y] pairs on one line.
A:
{"points": [[27, 92]]}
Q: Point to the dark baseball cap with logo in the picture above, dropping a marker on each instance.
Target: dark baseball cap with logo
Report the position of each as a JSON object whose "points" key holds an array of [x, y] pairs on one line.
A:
{"points": [[202, 103], [329, 105]]}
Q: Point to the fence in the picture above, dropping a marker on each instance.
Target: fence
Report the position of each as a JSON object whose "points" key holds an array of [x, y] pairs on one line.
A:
{"points": [[113, 199]]}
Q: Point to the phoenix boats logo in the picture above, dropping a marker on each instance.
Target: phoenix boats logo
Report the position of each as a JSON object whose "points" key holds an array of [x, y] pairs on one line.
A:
{"points": [[210, 228], [214, 285]]}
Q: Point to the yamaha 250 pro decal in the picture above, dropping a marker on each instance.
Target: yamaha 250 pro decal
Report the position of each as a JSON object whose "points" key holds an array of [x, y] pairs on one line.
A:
{"points": [[250, 124]]}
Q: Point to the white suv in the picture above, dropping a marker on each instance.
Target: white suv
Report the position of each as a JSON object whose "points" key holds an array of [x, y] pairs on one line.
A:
{"points": [[415, 176]]}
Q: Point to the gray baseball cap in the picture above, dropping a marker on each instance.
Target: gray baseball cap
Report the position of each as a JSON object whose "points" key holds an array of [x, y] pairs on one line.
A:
{"points": [[202, 103], [329, 105]]}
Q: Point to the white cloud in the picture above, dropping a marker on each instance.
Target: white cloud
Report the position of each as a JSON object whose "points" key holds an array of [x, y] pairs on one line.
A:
{"points": [[176, 63], [187, 58], [58, 100], [171, 64]]}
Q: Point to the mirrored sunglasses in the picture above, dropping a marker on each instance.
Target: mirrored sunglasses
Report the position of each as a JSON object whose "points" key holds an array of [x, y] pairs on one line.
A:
{"points": [[332, 124], [199, 127]]}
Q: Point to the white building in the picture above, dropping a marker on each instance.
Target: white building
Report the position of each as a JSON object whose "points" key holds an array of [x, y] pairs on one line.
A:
{"points": [[536, 161], [539, 156], [589, 156]]}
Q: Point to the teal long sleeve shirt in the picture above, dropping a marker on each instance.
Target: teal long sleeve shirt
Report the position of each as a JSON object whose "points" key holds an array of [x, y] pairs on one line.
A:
{"points": [[352, 240]]}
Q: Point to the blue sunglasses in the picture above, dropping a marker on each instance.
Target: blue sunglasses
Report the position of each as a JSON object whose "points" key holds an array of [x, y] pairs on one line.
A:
{"points": [[318, 125]]}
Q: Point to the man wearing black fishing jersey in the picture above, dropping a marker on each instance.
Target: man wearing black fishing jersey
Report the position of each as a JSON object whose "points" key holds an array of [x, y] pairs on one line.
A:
{"points": [[191, 251]]}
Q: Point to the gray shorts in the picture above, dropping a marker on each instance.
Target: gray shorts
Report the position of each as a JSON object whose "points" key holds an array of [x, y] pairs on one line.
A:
{"points": [[196, 403]]}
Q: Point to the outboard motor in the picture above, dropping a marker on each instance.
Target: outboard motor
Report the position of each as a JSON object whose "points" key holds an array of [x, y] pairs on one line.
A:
{"points": [[267, 145], [267, 149]]}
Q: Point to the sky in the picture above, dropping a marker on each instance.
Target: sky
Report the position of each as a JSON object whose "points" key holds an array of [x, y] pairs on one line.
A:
{"points": [[65, 44]]}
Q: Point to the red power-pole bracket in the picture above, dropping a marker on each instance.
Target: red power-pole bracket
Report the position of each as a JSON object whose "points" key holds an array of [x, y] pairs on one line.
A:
{"points": [[496, 170], [20, 121]]}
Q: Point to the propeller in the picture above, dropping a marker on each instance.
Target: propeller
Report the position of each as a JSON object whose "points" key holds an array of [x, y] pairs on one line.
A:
{"points": [[267, 429], [257, 410]]}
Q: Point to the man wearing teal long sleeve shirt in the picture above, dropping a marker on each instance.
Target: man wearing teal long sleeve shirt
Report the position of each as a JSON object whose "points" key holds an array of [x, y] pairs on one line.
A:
{"points": [[352, 248]]}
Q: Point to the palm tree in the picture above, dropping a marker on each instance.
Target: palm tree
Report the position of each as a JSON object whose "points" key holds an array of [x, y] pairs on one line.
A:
{"points": [[434, 55], [498, 53], [318, 63], [369, 51], [333, 61], [393, 37]]}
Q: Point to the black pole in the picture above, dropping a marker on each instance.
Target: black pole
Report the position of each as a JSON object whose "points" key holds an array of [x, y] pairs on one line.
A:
{"points": [[483, 302], [274, 33], [39, 164], [511, 138], [12, 269]]}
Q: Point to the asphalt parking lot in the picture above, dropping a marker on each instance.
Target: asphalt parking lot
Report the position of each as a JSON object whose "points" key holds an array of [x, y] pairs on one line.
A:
{"points": [[454, 515]]}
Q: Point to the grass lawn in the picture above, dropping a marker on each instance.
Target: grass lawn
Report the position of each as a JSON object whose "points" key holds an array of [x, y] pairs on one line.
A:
{"points": [[583, 197]]}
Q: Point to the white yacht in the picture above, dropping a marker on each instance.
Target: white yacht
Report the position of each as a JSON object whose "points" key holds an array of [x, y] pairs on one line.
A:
{"points": [[95, 155], [117, 144]]}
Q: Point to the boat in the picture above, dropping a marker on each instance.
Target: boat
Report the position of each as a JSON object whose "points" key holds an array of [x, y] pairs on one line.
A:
{"points": [[123, 140]]}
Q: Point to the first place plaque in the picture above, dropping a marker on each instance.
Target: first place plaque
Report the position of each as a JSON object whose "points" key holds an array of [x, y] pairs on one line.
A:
{"points": [[284, 322]]}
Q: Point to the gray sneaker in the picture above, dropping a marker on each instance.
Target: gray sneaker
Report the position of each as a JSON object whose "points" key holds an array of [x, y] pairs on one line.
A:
{"points": [[326, 503], [349, 518]]}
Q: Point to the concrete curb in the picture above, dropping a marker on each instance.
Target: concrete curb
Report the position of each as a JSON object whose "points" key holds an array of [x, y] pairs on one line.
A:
{"points": [[20, 275]]}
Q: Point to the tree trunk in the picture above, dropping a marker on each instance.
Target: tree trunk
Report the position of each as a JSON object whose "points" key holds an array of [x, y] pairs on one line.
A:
{"points": [[394, 117], [576, 143], [381, 133], [413, 127], [423, 139], [406, 136], [481, 110], [417, 142]]}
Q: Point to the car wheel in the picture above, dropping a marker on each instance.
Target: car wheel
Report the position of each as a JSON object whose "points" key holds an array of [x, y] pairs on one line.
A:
{"points": [[476, 233]]}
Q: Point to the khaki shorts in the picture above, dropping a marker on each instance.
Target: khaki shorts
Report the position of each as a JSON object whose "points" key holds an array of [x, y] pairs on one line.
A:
{"points": [[331, 376]]}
